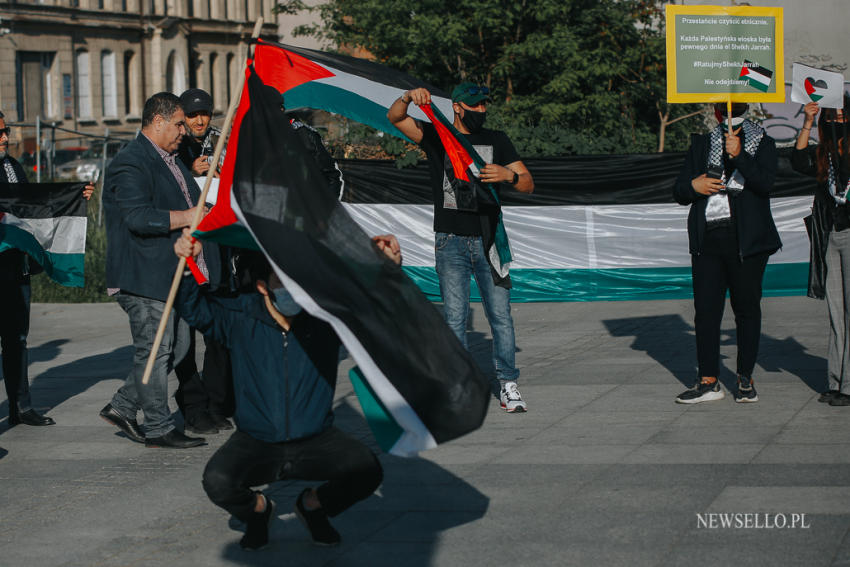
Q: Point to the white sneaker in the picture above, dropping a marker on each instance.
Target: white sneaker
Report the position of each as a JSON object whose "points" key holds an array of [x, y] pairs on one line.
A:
{"points": [[510, 398]]}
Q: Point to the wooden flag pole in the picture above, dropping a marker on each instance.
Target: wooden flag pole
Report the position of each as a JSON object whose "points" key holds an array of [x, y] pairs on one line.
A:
{"points": [[181, 265], [729, 114]]}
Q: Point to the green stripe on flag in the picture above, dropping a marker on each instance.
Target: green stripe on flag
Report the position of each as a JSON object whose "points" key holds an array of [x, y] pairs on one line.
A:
{"points": [[340, 101], [621, 284], [64, 269], [757, 84], [385, 429]]}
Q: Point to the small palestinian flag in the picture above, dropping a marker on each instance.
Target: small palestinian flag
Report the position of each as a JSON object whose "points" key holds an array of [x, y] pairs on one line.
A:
{"points": [[814, 88], [810, 84], [420, 381], [758, 77], [48, 222]]}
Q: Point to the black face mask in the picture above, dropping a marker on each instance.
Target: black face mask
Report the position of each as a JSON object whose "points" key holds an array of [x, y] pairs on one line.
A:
{"points": [[834, 129], [473, 120]]}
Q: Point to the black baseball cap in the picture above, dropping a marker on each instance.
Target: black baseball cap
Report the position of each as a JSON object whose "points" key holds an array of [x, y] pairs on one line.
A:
{"points": [[196, 100]]}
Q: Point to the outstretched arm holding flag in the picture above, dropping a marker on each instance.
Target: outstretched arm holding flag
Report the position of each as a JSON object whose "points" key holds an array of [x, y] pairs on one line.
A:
{"points": [[468, 165]]}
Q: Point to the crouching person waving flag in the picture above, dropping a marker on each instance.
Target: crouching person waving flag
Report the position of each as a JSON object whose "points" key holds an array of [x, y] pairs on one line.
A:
{"points": [[284, 371], [424, 385]]}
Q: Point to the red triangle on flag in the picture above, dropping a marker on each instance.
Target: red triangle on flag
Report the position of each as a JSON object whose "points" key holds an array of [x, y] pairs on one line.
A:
{"points": [[284, 69], [810, 88]]}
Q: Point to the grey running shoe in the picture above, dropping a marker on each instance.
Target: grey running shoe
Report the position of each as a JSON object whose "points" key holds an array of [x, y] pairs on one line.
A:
{"points": [[746, 393], [702, 392]]}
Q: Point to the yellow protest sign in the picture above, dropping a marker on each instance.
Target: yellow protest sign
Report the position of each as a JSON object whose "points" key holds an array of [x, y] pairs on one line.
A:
{"points": [[718, 53]]}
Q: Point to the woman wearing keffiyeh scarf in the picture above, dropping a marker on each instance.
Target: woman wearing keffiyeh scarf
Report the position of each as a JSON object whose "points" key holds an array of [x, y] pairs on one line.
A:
{"points": [[726, 180], [15, 291], [829, 261]]}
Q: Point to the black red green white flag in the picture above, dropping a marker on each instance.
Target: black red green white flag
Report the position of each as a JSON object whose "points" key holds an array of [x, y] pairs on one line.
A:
{"points": [[756, 76], [349, 86], [417, 374], [48, 222]]}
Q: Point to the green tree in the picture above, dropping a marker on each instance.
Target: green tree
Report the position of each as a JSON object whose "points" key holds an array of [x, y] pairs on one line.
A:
{"points": [[568, 76]]}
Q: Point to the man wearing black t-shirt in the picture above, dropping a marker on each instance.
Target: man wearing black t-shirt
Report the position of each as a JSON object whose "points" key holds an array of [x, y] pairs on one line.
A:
{"points": [[459, 221]]}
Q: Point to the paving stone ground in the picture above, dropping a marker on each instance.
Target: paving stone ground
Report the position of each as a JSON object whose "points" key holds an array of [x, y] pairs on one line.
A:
{"points": [[603, 470]]}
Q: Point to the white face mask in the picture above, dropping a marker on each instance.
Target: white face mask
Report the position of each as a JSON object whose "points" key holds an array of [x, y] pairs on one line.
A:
{"points": [[736, 121]]}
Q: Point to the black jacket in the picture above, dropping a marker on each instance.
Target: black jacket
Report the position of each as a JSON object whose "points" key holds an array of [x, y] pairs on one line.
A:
{"points": [[750, 209], [13, 262], [140, 191], [819, 224], [283, 381]]}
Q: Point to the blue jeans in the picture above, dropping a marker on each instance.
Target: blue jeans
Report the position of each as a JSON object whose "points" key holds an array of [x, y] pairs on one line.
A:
{"points": [[151, 398], [459, 258]]}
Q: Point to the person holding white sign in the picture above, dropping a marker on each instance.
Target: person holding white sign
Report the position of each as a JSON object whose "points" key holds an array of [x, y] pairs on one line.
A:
{"points": [[727, 179], [829, 260]]}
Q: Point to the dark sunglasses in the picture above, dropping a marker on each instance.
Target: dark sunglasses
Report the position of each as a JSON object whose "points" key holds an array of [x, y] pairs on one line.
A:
{"points": [[5, 130], [478, 90]]}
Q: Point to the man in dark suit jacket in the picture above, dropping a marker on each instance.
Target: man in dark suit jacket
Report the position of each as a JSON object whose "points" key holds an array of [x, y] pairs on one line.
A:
{"points": [[149, 197]]}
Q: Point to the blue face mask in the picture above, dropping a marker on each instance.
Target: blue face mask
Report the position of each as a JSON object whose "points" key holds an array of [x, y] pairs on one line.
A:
{"points": [[284, 303]]}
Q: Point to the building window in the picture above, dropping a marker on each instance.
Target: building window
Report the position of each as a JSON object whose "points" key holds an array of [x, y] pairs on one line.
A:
{"points": [[231, 74], [34, 85], [213, 77], [109, 86], [131, 84], [175, 74], [67, 96], [83, 85]]}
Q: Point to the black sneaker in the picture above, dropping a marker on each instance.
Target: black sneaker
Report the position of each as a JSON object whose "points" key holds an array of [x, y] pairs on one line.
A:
{"points": [[702, 392], [257, 528], [827, 396], [201, 423], [840, 400], [746, 391], [316, 522]]}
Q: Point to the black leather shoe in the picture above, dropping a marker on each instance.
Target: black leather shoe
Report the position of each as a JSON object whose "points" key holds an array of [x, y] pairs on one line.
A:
{"points": [[175, 440], [201, 423], [129, 426], [221, 422], [840, 400], [30, 417], [827, 396]]}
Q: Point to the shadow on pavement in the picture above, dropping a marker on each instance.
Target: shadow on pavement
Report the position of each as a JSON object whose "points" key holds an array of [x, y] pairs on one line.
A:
{"points": [[60, 383], [669, 340], [398, 525]]}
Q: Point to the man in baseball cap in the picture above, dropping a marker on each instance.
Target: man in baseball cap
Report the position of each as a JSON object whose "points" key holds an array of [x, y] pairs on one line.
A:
{"points": [[199, 142], [462, 227], [205, 399]]}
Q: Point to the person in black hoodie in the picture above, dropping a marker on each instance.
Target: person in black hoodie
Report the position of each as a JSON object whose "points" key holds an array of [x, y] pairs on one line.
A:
{"points": [[727, 180], [829, 265], [284, 370]]}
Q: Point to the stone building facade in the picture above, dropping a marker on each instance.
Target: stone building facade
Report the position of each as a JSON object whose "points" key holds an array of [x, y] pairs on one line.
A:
{"points": [[88, 65]]}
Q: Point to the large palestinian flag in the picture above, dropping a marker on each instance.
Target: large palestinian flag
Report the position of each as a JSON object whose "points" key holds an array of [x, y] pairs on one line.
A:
{"points": [[416, 372], [48, 222], [598, 227], [354, 88]]}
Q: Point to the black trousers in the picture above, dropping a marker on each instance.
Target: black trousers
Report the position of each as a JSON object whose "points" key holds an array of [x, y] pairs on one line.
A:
{"points": [[15, 295], [211, 390], [352, 471], [718, 269]]}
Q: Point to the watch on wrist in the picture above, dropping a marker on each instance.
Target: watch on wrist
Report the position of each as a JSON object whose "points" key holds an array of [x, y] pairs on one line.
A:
{"points": [[516, 178], [405, 98]]}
